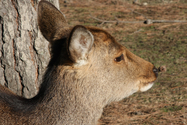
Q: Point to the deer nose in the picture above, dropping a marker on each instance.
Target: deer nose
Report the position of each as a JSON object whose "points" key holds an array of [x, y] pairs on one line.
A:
{"points": [[155, 70]]}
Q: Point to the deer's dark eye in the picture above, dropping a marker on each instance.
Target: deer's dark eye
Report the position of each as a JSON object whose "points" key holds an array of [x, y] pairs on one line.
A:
{"points": [[118, 59]]}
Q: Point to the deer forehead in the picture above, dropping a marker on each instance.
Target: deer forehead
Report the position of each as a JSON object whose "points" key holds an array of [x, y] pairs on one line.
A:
{"points": [[101, 34], [105, 42]]}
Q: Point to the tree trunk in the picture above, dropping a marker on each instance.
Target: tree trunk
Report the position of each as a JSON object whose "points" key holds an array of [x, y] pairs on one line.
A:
{"points": [[24, 52]]}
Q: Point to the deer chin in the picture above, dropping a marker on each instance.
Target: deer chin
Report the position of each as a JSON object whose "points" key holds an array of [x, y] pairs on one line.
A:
{"points": [[146, 87]]}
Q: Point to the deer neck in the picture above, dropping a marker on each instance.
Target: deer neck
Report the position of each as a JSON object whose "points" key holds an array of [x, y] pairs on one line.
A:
{"points": [[74, 104]]}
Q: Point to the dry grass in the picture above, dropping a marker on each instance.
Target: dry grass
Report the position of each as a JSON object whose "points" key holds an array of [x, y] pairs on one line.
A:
{"points": [[161, 44]]}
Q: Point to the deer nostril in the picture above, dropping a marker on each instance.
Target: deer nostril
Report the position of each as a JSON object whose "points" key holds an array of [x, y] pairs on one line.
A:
{"points": [[155, 70]]}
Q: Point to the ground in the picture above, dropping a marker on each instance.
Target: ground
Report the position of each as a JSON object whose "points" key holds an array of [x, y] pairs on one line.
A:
{"points": [[160, 43]]}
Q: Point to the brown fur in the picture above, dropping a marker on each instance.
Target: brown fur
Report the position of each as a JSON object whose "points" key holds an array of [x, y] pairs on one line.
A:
{"points": [[81, 79]]}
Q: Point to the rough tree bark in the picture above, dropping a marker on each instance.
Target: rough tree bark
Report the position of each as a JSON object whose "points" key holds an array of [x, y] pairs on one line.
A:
{"points": [[24, 52]]}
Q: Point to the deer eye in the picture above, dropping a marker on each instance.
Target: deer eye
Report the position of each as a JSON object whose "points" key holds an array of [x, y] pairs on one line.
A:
{"points": [[118, 59]]}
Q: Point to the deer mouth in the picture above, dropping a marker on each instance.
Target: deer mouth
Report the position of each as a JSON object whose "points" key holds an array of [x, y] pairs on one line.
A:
{"points": [[146, 87], [147, 82]]}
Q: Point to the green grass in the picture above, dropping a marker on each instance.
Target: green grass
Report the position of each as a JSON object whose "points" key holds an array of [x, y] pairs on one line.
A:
{"points": [[171, 108]]}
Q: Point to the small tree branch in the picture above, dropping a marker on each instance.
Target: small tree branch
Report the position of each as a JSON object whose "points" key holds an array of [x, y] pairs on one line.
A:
{"points": [[148, 21], [106, 21]]}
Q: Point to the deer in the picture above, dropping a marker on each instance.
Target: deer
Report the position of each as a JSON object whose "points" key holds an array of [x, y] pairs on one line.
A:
{"points": [[88, 70]]}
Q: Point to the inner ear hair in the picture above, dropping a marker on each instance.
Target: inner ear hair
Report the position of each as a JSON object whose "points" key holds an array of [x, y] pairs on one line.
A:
{"points": [[80, 43]]}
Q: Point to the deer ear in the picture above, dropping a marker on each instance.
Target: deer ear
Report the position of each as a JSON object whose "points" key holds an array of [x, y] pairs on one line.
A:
{"points": [[80, 44], [51, 21]]}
